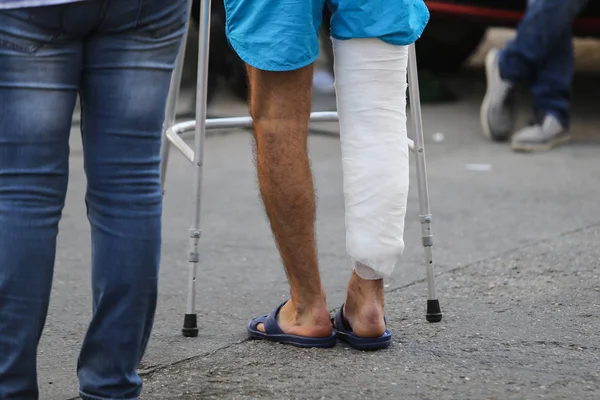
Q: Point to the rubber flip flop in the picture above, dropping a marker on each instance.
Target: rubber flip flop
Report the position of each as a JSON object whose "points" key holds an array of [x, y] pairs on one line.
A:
{"points": [[274, 333], [343, 331]]}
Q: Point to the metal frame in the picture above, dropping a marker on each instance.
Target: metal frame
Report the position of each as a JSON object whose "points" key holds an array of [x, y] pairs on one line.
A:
{"points": [[172, 132]]}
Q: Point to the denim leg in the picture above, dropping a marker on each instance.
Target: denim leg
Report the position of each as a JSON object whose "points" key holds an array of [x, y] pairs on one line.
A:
{"points": [[38, 85], [543, 25], [127, 69], [551, 89]]}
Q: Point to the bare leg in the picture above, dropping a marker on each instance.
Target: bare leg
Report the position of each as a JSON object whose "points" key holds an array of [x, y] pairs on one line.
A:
{"points": [[280, 104]]}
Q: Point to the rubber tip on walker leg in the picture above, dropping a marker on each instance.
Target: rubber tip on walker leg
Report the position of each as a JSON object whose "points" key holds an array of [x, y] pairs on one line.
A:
{"points": [[190, 325], [434, 312]]}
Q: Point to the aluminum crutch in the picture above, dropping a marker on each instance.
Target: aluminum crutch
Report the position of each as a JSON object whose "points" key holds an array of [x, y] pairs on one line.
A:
{"points": [[190, 325], [433, 312]]}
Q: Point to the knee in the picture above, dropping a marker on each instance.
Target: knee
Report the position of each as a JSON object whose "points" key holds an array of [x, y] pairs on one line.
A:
{"points": [[124, 191]]}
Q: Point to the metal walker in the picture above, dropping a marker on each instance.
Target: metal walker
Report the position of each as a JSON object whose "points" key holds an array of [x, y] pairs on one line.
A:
{"points": [[172, 132]]}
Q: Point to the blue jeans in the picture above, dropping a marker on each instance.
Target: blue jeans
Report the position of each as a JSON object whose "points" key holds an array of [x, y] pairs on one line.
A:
{"points": [[118, 56], [541, 55]]}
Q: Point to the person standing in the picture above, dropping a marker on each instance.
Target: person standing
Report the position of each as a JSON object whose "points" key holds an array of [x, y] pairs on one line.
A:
{"points": [[278, 40], [118, 57]]}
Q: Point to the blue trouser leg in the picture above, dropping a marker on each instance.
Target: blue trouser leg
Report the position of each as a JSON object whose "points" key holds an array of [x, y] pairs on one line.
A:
{"points": [[119, 56], [38, 89], [551, 88], [125, 82], [541, 55]]}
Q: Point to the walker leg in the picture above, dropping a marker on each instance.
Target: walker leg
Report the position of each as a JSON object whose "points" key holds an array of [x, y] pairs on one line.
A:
{"points": [[190, 323], [165, 146], [171, 108], [434, 312]]}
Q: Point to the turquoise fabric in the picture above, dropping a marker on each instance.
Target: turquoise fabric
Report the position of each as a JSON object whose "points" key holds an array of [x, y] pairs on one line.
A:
{"points": [[282, 35]]}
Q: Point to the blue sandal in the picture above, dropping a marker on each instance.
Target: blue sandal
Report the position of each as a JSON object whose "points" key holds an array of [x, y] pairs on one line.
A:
{"points": [[343, 331], [274, 333]]}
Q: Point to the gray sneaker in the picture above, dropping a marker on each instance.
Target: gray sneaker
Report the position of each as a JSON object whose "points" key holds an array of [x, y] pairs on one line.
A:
{"points": [[498, 111], [540, 137]]}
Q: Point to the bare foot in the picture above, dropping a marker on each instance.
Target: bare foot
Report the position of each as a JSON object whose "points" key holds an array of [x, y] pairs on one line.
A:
{"points": [[364, 307], [311, 321]]}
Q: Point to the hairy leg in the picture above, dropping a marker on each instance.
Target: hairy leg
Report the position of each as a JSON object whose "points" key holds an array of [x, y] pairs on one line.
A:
{"points": [[280, 104]]}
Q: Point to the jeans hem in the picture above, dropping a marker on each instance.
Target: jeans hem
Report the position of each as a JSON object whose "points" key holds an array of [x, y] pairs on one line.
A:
{"points": [[86, 396]]}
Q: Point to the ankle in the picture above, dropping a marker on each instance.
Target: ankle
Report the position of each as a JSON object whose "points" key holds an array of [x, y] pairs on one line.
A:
{"points": [[307, 302], [364, 291]]}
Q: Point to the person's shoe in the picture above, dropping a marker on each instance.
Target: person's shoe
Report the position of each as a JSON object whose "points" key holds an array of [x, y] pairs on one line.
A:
{"points": [[498, 107], [540, 137]]}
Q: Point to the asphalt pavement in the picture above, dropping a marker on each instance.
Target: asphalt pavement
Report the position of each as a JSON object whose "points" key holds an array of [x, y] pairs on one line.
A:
{"points": [[516, 251]]}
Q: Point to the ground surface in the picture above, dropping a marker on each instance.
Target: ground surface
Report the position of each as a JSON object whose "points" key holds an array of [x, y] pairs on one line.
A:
{"points": [[516, 247]]}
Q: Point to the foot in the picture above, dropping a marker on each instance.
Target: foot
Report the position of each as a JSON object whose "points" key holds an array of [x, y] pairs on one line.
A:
{"points": [[540, 137], [364, 307], [497, 109], [303, 321]]}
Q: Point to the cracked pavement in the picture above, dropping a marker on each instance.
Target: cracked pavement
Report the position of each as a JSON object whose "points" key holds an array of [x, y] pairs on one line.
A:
{"points": [[520, 326]]}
